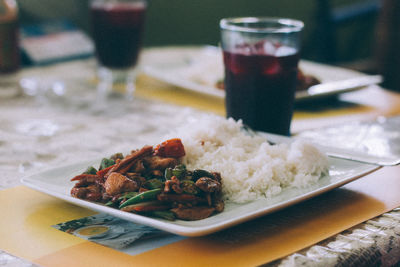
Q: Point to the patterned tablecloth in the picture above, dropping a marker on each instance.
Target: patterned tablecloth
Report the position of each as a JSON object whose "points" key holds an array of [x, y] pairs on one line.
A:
{"points": [[37, 133]]}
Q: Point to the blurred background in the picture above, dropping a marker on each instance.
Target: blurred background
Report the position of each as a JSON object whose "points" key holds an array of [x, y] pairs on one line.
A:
{"points": [[358, 34]]}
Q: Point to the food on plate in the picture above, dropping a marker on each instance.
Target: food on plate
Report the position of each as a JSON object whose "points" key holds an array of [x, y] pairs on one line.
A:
{"points": [[152, 181], [304, 81], [214, 160], [250, 167]]}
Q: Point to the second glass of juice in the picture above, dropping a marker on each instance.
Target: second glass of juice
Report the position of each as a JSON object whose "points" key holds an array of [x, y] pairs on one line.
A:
{"points": [[117, 28], [260, 58]]}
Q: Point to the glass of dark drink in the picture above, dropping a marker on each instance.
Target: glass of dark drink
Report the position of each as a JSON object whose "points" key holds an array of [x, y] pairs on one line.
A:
{"points": [[117, 28], [260, 58]]}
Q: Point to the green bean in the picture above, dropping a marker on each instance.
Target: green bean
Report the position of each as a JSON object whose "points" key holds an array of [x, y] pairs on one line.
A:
{"points": [[179, 171], [90, 170], [167, 215], [147, 195], [189, 187], [110, 203], [168, 173], [153, 184], [105, 163], [127, 195]]}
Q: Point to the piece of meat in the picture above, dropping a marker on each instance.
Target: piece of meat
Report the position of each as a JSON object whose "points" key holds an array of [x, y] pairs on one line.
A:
{"points": [[208, 185], [138, 167], [94, 196], [160, 163], [79, 192], [173, 184], [219, 206], [91, 192], [117, 183], [217, 176], [136, 177], [193, 213], [124, 165]]}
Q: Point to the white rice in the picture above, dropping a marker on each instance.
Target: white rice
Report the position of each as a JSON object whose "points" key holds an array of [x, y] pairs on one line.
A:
{"points": [[250, 167]]}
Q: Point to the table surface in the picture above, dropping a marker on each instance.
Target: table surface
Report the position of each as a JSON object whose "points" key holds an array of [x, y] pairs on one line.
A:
{"points": [[37, 132]]}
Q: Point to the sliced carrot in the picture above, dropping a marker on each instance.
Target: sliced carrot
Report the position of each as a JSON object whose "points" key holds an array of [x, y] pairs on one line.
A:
{"points": [[146, 206], [103, 172], [83, 176]]}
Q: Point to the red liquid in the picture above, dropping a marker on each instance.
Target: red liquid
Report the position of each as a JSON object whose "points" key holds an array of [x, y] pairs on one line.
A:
{"points": [[9, 48], [117, 32], [260, 89]]}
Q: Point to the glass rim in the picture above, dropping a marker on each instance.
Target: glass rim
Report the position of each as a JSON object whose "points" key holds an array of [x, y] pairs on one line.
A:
{"points": [[284, 25]]}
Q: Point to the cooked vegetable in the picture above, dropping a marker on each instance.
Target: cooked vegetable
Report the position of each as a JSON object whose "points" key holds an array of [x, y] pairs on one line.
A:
{"points": [[153, 184], [91, 170], [84, 176], [102, 172], [105, 163], [146, 206], [167, 215], [152, 181], [128, 195], [170, 148], [147, 195], [168, 173], [189, 187], [179, 171]]}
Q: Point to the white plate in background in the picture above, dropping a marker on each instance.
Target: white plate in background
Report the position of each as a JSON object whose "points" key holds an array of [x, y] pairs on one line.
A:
{"points": [[199, 68]]}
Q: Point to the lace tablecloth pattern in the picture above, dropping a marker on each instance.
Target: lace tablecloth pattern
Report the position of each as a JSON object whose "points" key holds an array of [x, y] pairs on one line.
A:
{"points": [[35, 135]]}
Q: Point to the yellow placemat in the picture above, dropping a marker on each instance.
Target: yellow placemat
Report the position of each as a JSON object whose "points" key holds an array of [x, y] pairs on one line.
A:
{"points": [[25, 228], [27, 216], [153, 89]]}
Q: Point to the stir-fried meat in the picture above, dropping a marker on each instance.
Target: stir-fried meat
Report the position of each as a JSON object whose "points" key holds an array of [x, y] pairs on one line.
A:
{"points": [[124, 165], [157, 173], [136, 177], [117, 183], [79, 192], [92, 192], [219, 206], [152, 182], [193, 213], [173, 184], [86, 179], [138, 167], [217, 176], [182, 198], [208, 185], [159, 163]]}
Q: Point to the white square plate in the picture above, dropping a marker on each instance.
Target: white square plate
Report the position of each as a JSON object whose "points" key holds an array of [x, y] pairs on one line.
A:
{"points": [[56, 182]]}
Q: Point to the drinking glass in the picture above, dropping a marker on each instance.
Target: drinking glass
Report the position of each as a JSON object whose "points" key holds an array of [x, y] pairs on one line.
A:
{"points": [[117, 27], [261, 55]]}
